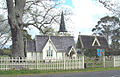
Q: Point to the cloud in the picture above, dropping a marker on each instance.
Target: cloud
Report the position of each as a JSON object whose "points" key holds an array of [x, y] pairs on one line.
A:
{"points": [[86, 15]]}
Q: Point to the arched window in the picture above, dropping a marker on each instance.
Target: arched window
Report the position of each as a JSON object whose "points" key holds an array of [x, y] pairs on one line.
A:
{"points": [[49, 52]]}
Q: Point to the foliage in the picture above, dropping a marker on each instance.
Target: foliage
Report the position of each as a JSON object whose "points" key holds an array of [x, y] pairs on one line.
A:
{"points": [[5, 52], [91, 52], [110, 28]]}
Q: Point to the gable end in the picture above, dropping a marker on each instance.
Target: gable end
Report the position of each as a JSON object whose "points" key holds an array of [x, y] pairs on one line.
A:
{"points": [[96, 42]]}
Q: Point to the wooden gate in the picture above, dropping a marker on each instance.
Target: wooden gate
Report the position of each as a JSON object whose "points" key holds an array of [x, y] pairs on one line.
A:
{"points": [[94, 62]]}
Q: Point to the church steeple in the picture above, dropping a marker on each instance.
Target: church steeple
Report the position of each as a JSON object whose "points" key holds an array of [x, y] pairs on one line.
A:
{"points": [[62, 24]]}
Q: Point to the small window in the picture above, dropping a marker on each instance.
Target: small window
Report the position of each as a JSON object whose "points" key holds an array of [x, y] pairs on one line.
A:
{"points": [[49, 52], [62, 54], [31, 53]]}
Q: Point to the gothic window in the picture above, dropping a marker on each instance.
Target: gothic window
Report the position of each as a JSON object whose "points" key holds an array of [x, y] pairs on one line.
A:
{"points": [[49, 52]]}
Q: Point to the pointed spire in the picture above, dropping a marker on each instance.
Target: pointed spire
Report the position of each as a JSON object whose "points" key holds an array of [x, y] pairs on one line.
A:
{"points": [[62, 24]]}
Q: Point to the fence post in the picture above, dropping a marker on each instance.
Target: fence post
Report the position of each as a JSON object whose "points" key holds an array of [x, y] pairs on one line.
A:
{"points": [[83, 61], [36, 63], [64, 63], [104, 61], [5, 59], [114, 61]]}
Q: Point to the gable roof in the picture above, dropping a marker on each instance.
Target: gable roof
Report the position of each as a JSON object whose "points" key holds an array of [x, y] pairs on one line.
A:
{"points": [[62, 43], [86, 41]]}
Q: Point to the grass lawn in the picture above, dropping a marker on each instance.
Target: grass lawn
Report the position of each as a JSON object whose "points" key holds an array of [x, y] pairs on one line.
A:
{"points": [[32, 72]]}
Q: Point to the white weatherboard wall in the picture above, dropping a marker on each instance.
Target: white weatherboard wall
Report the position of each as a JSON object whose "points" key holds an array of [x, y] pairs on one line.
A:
{"points": [[60, 55], [31, 55], [34, 55], [49, 43]]}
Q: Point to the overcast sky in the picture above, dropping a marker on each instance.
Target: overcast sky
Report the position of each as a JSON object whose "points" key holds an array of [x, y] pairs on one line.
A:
{"points": [[86, 15]]}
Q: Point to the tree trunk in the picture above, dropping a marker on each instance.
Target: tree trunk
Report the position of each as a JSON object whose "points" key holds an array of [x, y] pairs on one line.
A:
{"points": [[15, 14], [17, 43]]}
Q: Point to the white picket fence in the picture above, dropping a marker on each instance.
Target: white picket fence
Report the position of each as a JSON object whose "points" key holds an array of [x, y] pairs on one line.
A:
{"points": [[112, 61], [48, 64], [116, 61]]}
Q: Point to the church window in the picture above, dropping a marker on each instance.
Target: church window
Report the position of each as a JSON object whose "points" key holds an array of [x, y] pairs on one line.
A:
{"points": [[31, 53], [63, 54], [49, 52]]}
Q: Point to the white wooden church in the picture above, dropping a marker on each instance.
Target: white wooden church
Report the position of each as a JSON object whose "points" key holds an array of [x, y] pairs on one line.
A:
{"points": [[51, 47]]}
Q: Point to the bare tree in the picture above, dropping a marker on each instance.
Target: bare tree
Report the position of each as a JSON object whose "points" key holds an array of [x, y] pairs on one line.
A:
{"points": [[43, 14], [112, 5], [4, 31], [23, 13]]}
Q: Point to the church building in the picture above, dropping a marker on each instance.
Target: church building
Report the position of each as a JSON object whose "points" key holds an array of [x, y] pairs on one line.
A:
{"points": [[51, 47]]}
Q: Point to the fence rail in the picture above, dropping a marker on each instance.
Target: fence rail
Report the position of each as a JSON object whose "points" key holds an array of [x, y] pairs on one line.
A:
{"points": [[47, 64]]}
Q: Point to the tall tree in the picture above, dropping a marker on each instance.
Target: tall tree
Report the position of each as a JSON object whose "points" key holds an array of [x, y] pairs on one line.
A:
{"points": [[110, 28], [115, 45], [107, 26], [15, 15]]}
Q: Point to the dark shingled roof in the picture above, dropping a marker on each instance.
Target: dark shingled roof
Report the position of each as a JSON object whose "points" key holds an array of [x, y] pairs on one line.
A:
{"points": [[40, 42], [30, 46], [87, 41], [62, 43]]}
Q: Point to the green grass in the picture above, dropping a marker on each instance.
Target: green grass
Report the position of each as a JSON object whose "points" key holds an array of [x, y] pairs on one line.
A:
{"points": [[32, 72]]}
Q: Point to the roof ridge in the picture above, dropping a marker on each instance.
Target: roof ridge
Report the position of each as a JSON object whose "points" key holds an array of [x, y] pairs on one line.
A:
{"points": [[92, 35], [51, 36]]}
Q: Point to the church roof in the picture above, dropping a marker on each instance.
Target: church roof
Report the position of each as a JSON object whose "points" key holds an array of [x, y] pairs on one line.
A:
{"points": [[62, 43], [87, 41], [30, 46], [62, 24]]}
